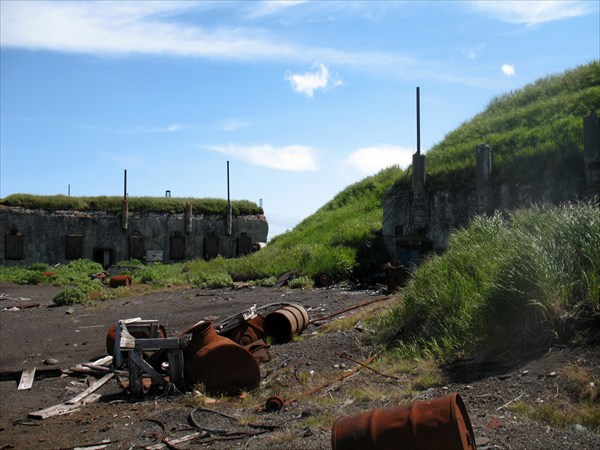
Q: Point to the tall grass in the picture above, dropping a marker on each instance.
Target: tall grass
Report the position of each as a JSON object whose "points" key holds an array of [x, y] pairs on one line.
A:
{"points": [[503, 288], [533, 130]]}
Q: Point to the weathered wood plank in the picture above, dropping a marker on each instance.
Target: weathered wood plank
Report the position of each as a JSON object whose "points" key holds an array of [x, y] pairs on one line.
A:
{"points": [[176, 441], [136, 357], [157, 343], [93, 387], [62, 408], [27, 378]]}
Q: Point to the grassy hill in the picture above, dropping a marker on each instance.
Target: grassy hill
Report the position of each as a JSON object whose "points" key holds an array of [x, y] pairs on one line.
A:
{"points": [[533, 129]]}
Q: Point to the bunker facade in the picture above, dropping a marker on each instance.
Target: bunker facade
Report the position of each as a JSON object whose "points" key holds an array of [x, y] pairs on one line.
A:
{"points": [[58, 237], [418, 218]]}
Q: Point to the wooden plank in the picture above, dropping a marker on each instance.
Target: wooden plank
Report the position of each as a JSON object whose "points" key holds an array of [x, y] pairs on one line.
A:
{"points": [[62, 408], [136, 385], [127, 340], [93, 387], [117, 357], [176, 368], [158, 343], [137, 358], [27, 378], [106, 361], [176, 441]]}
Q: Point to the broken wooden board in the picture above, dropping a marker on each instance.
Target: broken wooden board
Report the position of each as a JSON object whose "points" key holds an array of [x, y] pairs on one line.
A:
{"points": [[63, 408], [27, 378], [93, 387]]}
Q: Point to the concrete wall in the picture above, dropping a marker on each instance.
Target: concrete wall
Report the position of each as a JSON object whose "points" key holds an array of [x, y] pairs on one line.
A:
{"points": [[417, 219], [58, 237]]}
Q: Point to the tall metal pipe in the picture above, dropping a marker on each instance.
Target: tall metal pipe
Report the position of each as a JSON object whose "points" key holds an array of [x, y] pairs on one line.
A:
{"points": [[125, 209], [228, 192], [418, 121]]}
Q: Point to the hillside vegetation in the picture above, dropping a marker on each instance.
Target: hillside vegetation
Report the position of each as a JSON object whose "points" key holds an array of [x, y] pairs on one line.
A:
{"points": [[113, 204], [506, 288], [537, 128]]}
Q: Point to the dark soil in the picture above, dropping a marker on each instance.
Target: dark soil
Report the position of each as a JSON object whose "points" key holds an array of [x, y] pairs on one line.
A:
{"points": [[70, 335]]}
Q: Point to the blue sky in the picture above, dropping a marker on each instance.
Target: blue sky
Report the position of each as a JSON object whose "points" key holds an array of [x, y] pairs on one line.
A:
{"points": [[303, 98]]}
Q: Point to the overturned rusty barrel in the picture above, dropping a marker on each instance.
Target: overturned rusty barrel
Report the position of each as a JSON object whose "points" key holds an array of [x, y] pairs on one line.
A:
{"points": [[248, 331], [283, 323], [120, 280], [218, 363], [441, 423]]}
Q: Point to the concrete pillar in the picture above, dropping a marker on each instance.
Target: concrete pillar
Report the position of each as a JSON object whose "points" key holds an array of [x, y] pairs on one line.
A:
{"points": [[229, 220], [591, 154], [188, 218], [419, 206], [483, 179]]}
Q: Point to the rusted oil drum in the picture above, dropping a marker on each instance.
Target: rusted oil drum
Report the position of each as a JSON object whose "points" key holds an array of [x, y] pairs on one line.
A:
{"points": [[217, 362], [283, 323], [248, 331], [120, 280], [441, 424], [136, 331]]}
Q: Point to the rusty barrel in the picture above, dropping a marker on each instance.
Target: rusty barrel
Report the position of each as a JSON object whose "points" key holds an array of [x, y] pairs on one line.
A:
{"points": [[120, 280], [248, 331], [283, 323], [217, 362], [138, 332], [441, 423]]}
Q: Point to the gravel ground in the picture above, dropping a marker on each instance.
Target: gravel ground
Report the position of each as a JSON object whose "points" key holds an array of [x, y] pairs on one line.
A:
{"points": [[66, 336]]}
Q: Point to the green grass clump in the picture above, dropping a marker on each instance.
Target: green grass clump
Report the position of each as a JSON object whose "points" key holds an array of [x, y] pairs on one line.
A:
{"points": [[300, 282], [503, 287], [76, 294]]}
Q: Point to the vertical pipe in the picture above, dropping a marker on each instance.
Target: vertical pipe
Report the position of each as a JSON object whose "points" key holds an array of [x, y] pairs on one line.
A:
{"points": [[125, 213], [69, 191], [418, 121], [228, 195]]}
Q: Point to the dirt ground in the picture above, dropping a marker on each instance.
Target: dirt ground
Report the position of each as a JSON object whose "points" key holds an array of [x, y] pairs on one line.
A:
{"points": [[49, 337]]}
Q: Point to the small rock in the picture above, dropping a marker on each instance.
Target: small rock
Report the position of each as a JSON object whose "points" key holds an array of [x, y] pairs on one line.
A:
{"points": [[69, 311], [580, 428], [552, 374], [482, 440], [504, 377], [525, 372], [51, 361]]}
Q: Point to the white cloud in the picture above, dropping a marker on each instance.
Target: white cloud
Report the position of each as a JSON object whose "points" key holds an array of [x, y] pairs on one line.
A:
{"points": [[370, 160], [128, 27], [166, 129], [307, 83], [233, 125], [294, 158], [508, 70], [534, 12]]}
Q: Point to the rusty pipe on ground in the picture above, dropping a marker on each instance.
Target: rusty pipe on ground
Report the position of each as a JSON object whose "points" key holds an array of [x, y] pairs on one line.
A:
{"points": [[319, 319], [275, 403]]}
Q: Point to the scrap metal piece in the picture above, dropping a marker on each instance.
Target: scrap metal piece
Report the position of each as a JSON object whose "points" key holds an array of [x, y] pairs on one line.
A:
{"points": [[437, 423], [283, 323], [217, 362]]}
